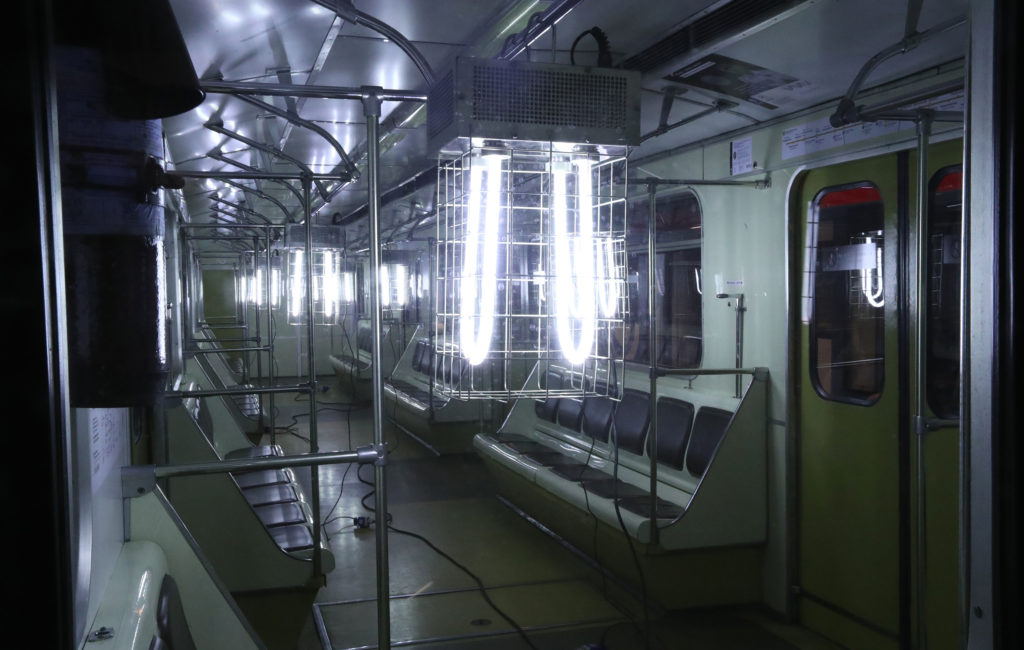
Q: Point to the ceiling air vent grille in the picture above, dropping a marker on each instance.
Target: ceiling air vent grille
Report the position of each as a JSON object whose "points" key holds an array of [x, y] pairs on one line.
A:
{"points": [[441, 105], [715, 26], [545, 102], [531, 96]]}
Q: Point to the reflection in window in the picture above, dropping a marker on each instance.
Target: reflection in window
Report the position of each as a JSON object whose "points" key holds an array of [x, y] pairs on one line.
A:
{"points": [[848, 294], [678, 283], [943, 312]]}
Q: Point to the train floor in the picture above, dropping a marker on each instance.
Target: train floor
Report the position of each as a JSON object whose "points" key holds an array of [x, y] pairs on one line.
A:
{"points": [[446, 504]]}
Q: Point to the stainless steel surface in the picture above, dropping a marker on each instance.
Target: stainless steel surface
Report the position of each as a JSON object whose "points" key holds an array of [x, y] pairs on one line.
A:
{"points": [[652, 344], [304, 48], [371, 110], [242, 89], [298, 388], [311, 374], [924, 126], [504, 100]]}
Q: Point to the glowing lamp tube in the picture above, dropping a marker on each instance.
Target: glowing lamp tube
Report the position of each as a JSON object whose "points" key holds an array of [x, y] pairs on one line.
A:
{"points": [[574, 265], [875, 298], [608, 275], [385, 288], [275, 288], [401, 285], [330, 285], [257, 289], [479, 284], [348, 282], [295, 293]]}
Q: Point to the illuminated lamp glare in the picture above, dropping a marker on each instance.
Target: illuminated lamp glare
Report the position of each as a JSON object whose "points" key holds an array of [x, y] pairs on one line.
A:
{"points": [[574, 264], [875, 298], [478, 283], [295, 284]]}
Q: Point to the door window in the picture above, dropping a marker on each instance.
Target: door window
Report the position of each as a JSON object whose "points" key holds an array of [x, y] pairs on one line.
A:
{"points": [[847, 342]]}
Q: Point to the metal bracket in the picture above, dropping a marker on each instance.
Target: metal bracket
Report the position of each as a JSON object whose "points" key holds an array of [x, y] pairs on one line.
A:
{"points": [[371, 100], [376, 454], [137, 480], [102, 634], [923, 425], [760, 374], [382, 454]]}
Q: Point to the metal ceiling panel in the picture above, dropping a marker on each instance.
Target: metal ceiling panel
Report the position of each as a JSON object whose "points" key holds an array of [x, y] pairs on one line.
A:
{"points": [[821, 47]]}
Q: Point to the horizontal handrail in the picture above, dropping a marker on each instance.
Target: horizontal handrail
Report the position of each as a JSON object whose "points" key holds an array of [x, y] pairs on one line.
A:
{"points": [[691, 372], [296, 388], [137, 480]]}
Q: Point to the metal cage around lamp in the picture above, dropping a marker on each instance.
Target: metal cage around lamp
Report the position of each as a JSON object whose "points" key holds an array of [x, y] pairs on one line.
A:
{"points": [[530, 268]]}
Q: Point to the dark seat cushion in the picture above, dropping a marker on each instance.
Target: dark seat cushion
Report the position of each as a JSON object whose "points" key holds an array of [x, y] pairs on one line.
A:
{"points": [[528, 446], [547, 409], [292, 538], [254, 452], [612, 488], [578, 472], [549, 458], [171, 626], [597, 417], [642, 506], [631, 419], [280, 514], [419, 356], [267, 494], [708, 428], [570, 413], [675, 417], [261, 477]]}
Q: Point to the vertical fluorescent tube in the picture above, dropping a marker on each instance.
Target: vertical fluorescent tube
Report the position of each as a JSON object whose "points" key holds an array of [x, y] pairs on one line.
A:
{"points": [[385, 287], [258, 289], [401, 285], [479, 284], [574, 265], [875, 298], [348, 294], [330, 285], [275, 288], [295, 293], [608, 275]]}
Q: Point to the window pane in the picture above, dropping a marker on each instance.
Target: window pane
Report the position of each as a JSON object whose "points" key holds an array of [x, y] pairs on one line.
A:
{"points": [[678, 283], [848, 294], [943, 320]]}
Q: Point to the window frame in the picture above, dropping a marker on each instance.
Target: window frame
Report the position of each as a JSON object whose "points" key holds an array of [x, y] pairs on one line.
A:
{"points": [[814, 222], [641, 250]]}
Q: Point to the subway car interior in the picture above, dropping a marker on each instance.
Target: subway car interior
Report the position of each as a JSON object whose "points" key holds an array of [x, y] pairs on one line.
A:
{"points": [[495, 324]]}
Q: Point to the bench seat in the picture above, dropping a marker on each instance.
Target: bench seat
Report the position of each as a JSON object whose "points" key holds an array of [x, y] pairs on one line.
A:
{"points": [[418, 405], [593, 454]]}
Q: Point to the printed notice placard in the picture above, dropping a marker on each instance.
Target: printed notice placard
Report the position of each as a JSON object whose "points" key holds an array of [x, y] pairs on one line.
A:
{"points": [[741, 156]]}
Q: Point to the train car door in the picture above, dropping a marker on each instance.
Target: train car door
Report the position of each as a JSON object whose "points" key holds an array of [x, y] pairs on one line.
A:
{"points": [[858, 551]]}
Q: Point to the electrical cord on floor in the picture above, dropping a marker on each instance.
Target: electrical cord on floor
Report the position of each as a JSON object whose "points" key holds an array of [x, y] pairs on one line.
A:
{"points": [[480, 585], [341, 489], [629, 541], [586, 501]]}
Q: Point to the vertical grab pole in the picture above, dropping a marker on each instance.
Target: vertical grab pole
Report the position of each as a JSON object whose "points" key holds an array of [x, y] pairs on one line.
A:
{"points": [[314, 446], [256, 317], [652, 336], [740, 308], [924, 125], [371, 109], [270, 339]]}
